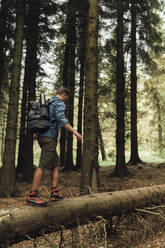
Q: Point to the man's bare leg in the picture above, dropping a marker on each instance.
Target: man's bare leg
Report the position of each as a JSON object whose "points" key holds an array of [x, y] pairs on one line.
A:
{"points": [[55, 195], [33, 199], [37, 178], [54, 176]]}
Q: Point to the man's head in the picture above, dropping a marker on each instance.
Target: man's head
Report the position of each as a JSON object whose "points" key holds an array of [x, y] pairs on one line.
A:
{"points": [[63, 93]]}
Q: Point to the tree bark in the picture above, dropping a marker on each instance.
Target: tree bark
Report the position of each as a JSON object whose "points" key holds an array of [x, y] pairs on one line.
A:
{"points": [[31, 68], [65, 80], [120, 168], [62, 146], [159, 120], [22, 138], [69, 165], [4, 11], [82, 15], [134, 158], [100, 140], [3, 126], [16, 223], [4, 108], [80, 110], [90, 145], [160, 131], [7, 182]]}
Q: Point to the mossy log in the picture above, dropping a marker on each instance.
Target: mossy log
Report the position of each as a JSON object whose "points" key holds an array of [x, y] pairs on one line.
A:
{"points": [[18, 222]]}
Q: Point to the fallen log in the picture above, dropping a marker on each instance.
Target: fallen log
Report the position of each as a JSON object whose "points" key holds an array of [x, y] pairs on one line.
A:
{"points": [[16, 223]]}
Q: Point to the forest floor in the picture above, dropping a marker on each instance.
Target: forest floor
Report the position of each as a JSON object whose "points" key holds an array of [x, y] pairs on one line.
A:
{"points": [[136, 230]]}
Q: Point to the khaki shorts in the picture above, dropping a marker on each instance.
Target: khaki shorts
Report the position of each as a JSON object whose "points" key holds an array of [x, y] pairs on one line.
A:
{"points": [[49, 158]]}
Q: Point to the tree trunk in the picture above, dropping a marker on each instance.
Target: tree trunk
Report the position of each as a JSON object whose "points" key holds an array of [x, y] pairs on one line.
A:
{"points": [[134, 158], [7, 67], [160, 131], [17, 223], [22, 138], [120, 169], [100, 139], [159, 120], [4, 106], [69, 165], [31, 68], [90, 144], [3, 126], [83, 11], [7, 182], [65, 84], [62, 146], [79, 124], [4, 11]]}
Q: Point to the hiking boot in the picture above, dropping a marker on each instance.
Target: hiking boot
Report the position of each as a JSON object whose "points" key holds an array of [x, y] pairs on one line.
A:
{"points": [[55, 195], [33, 199]]}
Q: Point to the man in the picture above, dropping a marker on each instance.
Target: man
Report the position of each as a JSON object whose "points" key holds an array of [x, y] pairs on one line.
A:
{"points": [[48, 142]]}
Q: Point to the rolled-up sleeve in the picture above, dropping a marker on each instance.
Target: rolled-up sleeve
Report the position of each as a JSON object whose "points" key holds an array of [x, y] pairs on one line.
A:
{"points": [[60, 114]]}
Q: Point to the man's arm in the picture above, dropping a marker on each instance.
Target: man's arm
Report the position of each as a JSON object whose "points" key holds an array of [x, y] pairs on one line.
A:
{"points": [[70, 129]]}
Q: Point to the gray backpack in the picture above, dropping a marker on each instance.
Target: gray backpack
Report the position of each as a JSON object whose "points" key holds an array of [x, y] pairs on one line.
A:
{"points": [[38, 116]]}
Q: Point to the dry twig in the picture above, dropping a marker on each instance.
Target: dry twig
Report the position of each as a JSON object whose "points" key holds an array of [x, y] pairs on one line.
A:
{"points": [[149, 212], [35, 241]]}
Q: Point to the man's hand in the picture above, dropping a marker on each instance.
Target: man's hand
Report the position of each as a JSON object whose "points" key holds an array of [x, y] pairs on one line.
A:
{"points": [[70, 129], [78, 135]]}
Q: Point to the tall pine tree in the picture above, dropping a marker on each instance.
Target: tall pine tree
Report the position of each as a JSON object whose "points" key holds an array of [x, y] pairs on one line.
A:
{"points": [[90, 168], [7, 181]]}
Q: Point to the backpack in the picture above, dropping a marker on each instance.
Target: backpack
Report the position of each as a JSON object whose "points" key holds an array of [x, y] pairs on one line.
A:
{"points": [[38, 116]]}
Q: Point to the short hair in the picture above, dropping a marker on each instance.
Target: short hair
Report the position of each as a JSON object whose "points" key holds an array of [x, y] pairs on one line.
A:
{"points": [[62, 90]]}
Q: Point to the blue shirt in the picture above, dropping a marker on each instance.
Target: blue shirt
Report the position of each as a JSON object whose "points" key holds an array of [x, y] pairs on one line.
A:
{"points": [[57, 118]]}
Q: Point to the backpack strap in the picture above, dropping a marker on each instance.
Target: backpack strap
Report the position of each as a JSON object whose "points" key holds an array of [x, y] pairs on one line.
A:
{"points": [[49, 102]]}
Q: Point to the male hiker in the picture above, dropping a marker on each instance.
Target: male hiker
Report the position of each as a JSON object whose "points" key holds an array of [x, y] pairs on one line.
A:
{"points": [[48, 142]]}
